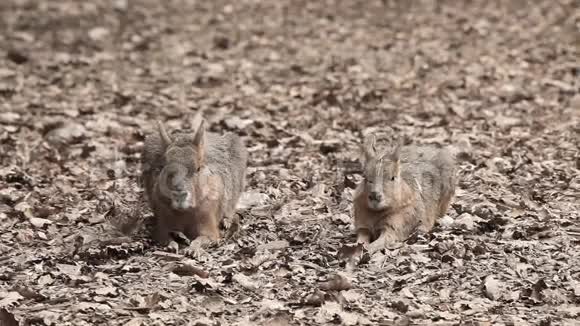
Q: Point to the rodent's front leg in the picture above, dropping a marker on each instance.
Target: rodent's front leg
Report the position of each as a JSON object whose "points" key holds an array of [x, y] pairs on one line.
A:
{"points": [[208, 223], [381, 242], [397, 228], [197, 247], [363, 236], [208, 230], [161, 231]]}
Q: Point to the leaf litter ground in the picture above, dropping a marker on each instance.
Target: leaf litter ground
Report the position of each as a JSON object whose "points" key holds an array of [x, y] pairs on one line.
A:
{"points": [[82, 83]]}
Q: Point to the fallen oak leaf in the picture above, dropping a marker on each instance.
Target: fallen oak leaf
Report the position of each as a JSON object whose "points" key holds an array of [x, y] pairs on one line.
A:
{"points": [[69, 270], [575, 285], [26, 210], [110, 291], [338, 282], [92, 306], [315, 299], [245, 281], [204, 284], [492, 288], [273, 245], [351, 253], [328, 311], [236, 123], [188, 269], [144, 304], [168, 256], [9, 298], [28, 293], [39, 222], [135, 322]]}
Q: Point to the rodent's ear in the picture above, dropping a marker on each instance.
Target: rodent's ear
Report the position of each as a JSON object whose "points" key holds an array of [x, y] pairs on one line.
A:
{"points": [[197, 120], [199, 142], [396, 153], [163, 134], [396, 159], [369, 146]]}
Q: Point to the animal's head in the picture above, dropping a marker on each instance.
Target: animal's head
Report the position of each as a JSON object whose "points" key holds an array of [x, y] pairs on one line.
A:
{"points": [[184, 157], [382, 175]]}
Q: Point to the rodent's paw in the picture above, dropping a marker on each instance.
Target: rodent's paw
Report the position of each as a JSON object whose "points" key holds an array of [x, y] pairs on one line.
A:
{"points": [[231, 221], [232, 226], [172, 247], [196, 248], [362, 241], [353, 255], [385, 241], [423, 230], [375, 246]]}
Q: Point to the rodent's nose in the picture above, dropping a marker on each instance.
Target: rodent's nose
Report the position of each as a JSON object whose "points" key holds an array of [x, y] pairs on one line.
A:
{"points": [[179, 188], [181, 200], [181, 195], [374, 195]]}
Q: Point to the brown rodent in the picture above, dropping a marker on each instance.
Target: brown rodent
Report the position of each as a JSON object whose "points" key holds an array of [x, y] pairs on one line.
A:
{"points": [[404, 189], [192, 180]]}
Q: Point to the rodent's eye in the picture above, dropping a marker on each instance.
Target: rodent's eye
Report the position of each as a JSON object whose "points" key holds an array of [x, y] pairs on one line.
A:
{"points": [[393, 178]]}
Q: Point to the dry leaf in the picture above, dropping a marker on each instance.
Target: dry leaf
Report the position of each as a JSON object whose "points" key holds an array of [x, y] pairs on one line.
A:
{"points": [[492, 288], [9, 299], [246, 282]]}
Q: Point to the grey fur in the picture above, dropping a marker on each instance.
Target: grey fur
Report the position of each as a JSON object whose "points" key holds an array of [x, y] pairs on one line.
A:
{"points": [[429, 173], [225, 161]]}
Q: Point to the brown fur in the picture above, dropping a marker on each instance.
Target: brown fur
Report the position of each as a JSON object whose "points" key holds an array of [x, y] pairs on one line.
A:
{"points": [[413, 187], [192, 181], [201, 221]]}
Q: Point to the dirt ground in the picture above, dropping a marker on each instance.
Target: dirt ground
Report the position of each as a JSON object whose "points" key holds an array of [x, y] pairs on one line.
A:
{"points": [[82, 83]]}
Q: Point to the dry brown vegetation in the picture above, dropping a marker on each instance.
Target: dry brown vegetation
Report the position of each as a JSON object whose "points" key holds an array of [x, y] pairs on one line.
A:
{"points": [[82, 82]]}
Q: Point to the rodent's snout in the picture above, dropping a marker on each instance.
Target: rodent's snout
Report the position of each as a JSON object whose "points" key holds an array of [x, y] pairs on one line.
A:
{"points": [[375, 196], [180, 195], [376, 200], [181, 200]]}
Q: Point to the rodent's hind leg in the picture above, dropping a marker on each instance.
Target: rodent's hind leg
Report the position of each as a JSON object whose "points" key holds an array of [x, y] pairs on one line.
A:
{"points": [[425, 226], [231, 225], [445, 202], [229, 217], [207, 227], [380, 243]]}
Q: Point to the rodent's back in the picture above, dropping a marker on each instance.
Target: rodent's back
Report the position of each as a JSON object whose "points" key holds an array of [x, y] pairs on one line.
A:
{"points": [[225, 154], [419, 159], [227, 157], [431, 173], [152, 162]]}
